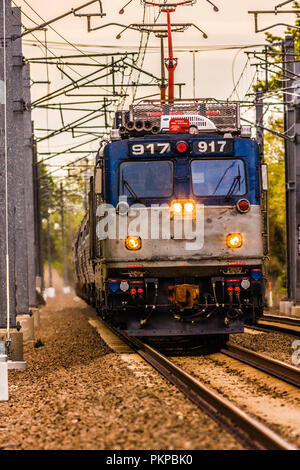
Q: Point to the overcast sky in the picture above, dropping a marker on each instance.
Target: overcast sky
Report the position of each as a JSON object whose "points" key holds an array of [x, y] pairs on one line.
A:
{"points": [[215, 69]]}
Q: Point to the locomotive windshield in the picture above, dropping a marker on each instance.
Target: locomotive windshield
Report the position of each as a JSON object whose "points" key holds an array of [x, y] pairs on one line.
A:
{"points": [[219, 177], [146, 179]]}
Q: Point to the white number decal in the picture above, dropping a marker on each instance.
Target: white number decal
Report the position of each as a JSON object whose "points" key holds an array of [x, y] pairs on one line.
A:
{"points": [[151, 148], [202, 147], [222, 143], [165, 148], [212, 145], [138, 149]]}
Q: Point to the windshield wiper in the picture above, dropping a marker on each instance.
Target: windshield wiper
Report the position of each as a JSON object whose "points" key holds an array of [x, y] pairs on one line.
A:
{"points": [[223, 176], [235, 183], [130, 190]]}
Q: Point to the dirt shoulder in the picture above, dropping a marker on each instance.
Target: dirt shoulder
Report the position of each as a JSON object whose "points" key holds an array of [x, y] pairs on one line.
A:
{"points": [[78, 394]]}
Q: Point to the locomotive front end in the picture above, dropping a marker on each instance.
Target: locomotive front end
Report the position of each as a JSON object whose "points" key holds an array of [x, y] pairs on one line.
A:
{"points": [[190, 258], [177, 224]]}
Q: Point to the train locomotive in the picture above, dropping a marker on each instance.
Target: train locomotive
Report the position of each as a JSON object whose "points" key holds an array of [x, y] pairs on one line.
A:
{"points": [[168, 167]]}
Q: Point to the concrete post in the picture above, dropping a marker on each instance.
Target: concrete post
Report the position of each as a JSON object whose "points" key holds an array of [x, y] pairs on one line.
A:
{"points": [[29, 191], [7, 143], [66, 288], [39, 261], [290, 167], [51, 290], [3, 373], [16, 128], [3, 378], [296, 101]]}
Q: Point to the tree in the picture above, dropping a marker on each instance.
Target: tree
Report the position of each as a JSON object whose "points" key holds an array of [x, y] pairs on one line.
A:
{"points": [[73, 214], [274, 156]]}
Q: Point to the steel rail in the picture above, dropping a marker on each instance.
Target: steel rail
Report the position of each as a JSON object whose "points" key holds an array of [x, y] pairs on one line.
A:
{"points": [[248, 430], [278, 369], [280, 325], [281, 319]]}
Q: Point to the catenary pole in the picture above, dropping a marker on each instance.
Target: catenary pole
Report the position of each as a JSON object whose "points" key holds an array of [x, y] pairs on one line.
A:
{"points": [[6, 177]]}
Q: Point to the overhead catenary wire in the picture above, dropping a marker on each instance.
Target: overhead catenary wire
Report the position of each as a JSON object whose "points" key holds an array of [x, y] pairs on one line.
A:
{"points": [[144, 46]]}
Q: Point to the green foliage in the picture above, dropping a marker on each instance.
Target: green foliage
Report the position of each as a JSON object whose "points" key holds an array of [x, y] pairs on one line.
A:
{"points": [[274, 153], [274, 156], [275, 79], [73, 214]]}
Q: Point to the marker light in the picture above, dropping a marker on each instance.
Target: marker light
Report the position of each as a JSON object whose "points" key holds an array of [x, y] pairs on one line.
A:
{"points": [[181, 147], [133, 243], [256, 274], [113, 285], [124, 286], [243, 206], [234, 240]]}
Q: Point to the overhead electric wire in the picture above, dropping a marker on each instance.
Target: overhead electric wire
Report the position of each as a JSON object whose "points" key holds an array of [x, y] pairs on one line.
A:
{"points": [[177, 48], [56, 32], [236, 84], [62, 37]]}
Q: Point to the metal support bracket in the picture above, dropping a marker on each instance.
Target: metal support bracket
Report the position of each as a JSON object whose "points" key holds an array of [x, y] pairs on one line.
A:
{"points": [[290, 185]]}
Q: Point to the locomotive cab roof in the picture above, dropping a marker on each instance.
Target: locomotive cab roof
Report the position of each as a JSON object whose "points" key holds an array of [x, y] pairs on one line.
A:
{"points": [[182, 116]]}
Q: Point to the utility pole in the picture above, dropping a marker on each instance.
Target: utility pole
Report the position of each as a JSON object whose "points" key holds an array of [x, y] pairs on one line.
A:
{"points": [[39, 257], [296, 309], [70, 233], [15, 181], [86, 176], [29, 191], [85, 202], [63, 241], [50, 290], [259, 107], [259, 122], [163, 70], [290, 167], [7, 273], [20, 169], [194, 74]]}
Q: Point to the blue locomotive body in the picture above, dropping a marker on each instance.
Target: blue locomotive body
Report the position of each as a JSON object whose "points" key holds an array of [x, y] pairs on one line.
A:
{"points": [[245, 149], [184, 216]]}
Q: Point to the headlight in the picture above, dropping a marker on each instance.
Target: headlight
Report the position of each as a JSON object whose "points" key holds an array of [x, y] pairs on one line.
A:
{"points": [[234, 240], [176, 208], [133, 243], [180, 207], [189, 208]]}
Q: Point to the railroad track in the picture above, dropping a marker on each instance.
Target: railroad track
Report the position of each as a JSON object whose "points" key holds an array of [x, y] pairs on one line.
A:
{"points": [[278, 369], [276, 323], [249, 431]]}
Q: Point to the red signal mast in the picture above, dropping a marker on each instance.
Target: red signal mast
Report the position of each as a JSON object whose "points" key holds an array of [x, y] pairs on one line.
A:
{"points": [[171, 62]]}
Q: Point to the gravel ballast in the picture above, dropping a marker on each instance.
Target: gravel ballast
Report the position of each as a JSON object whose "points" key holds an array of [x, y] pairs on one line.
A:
{"points": [[273, 344], [78, 394], [270, 400]]}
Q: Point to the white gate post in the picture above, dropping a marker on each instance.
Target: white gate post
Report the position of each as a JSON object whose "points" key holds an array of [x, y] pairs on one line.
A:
{"points": [[3, 374]]}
